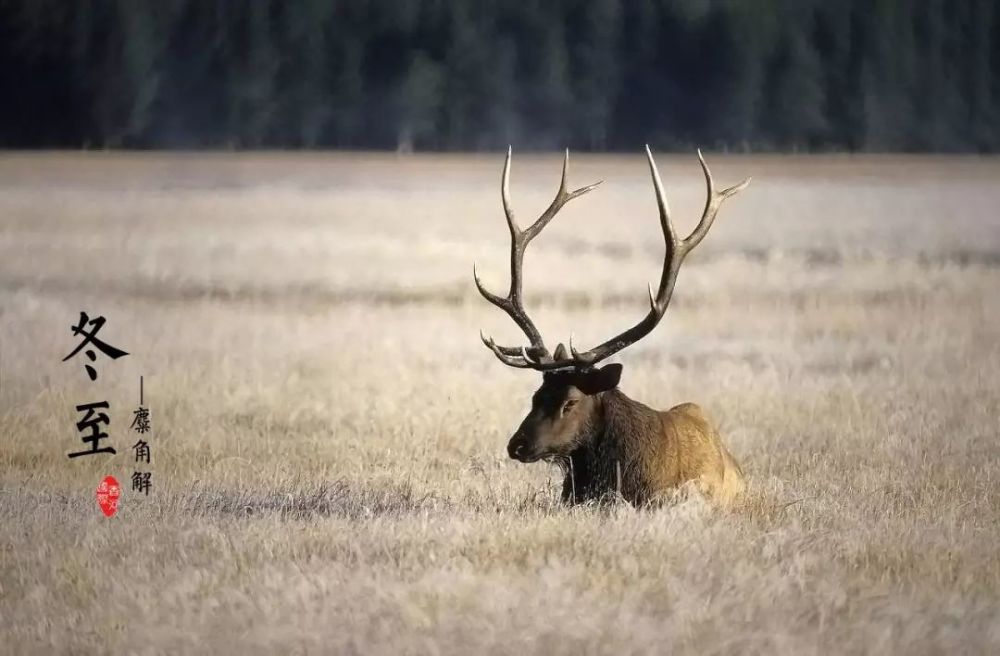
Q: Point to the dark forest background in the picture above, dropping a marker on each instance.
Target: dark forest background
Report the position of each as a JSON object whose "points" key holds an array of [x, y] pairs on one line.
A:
{"points": [[873, 75]]}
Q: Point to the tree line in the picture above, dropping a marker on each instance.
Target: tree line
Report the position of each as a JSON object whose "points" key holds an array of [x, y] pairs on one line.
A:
{"points": [[756, 75]]}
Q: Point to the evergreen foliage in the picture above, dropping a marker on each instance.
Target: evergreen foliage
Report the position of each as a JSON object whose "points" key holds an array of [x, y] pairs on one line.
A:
{"points": [[874, 75]]}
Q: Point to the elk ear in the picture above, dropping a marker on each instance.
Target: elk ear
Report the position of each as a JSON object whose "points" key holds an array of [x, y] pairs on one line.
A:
{"points": [[601, 380]]}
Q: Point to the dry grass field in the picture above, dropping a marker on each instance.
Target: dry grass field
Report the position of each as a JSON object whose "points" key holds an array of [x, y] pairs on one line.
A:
{"points": [[329, 466]]}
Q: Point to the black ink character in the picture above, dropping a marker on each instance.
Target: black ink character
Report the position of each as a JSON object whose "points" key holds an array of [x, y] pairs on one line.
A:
{"points": [[92, 422], [141, 451], [90, 337], [140, 422], [141, 482]]}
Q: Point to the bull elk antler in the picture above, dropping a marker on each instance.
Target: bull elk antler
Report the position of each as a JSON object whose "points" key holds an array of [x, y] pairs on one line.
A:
{"points": [[537, 356]]}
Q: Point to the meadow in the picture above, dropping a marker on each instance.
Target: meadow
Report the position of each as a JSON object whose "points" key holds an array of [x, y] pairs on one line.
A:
{"points": [[329, 472]]}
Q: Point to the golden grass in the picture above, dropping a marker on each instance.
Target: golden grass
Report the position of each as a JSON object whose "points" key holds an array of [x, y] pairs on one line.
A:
{"points": [[329, 464]]}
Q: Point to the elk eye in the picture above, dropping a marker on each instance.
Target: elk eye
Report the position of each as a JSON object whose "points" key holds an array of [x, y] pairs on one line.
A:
{"points": [[568, 405]]}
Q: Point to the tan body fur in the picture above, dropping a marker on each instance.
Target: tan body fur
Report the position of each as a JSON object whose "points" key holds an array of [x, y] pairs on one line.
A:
{"points": [[698, 454], [641, 453]]}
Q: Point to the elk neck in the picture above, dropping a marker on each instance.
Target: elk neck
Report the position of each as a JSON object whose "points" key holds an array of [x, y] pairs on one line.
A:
{"points": [[619, 438]]}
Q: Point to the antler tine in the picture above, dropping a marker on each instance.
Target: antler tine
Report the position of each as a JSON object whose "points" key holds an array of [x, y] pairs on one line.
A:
{"points": [[562, 197], [505, 195], [661, 199], [562, 185], [536, 355], [505, 305], [510, 360], [713, 201], [506, 350], [565, 173], [498, 301]]}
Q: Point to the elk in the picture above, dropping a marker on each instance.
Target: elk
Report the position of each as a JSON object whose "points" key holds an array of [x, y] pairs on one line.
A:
{"points": [[606, 443]]}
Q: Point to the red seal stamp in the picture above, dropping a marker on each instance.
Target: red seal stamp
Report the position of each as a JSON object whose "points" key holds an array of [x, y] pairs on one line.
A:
{"points": [[107, 495]]}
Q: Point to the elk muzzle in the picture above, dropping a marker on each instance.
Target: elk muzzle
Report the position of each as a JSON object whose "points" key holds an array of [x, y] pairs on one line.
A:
{"points": [[520, 448]]}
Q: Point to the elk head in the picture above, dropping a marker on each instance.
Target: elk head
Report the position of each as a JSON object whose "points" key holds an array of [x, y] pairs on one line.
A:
{"points": [[566, 409]]}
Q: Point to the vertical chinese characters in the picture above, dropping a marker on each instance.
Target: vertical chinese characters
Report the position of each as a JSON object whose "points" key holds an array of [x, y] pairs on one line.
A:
{"points": [[141, 424], [90, 425]]}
